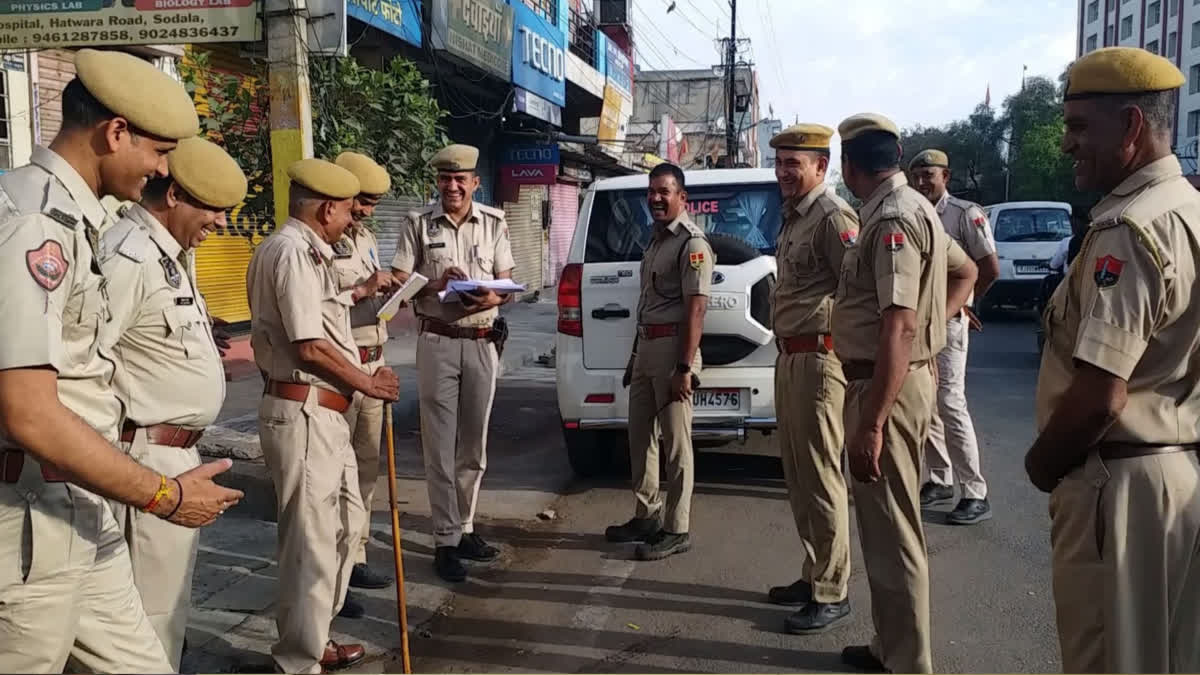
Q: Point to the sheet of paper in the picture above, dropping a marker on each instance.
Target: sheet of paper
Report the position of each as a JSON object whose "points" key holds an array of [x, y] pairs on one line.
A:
{"points": [[403, 294], [498, 285]]}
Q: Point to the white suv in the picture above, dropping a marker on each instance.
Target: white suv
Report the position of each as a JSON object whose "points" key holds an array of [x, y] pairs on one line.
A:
{"points": [[739, 209], [1026, 235]]}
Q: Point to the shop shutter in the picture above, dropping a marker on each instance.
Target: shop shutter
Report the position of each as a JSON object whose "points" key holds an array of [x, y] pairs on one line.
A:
{"points": [[221, 263], [524, 218], [564, 211], [390, 216]]}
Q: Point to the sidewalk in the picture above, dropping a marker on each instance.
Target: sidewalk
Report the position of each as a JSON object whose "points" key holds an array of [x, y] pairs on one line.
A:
{"points": [[232, 626]]}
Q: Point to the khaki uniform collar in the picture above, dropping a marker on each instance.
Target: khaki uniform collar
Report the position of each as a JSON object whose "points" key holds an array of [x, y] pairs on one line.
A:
{"points": [[309, 236], [887, 187], [1167, 167], [87, 200], [158, 231], [472, 216], [941, 203], [676, 225], [805, 203]]}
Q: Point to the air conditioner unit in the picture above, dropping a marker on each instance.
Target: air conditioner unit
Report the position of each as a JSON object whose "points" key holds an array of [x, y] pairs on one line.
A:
{"points": [[614, 12]]}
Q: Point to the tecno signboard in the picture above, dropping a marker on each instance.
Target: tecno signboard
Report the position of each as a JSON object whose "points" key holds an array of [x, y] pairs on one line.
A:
{"points": [[530, 164], [539, 62]]}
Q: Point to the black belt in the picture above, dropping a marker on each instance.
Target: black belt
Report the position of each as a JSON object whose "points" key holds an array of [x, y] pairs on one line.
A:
{"points": [[1117, 450]]}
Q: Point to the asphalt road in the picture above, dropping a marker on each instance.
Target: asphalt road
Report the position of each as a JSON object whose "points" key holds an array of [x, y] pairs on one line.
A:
{"points": [[563, 600]]}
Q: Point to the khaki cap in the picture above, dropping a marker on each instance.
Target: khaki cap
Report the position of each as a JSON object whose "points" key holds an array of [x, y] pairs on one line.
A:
{"points": [[325, 178], [1121, 70], [373, 179], [930, 158], [132, 88], [856, 125], [455, 157], [803, 137], [207, 173]]}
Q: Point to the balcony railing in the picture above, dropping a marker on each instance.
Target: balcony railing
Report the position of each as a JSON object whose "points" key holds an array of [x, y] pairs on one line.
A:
{"points": [[583, 36]]}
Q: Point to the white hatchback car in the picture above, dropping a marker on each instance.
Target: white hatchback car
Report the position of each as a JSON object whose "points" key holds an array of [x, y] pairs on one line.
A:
{"points": [[739, 209], [1026, 235]]}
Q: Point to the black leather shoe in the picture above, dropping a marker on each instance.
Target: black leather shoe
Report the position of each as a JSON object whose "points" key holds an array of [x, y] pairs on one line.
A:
{"points": [[473, 547], [663, 544], [969, 512], [636, 529], [860, 657], [448, 565], [799, 593], [352, 608], [932, 493], [817, 617], [362, 576]]}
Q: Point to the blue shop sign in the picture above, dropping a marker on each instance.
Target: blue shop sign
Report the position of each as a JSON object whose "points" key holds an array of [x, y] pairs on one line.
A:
{"points": [[618, 70], [539, 59], [531, 153], [401, 18]]}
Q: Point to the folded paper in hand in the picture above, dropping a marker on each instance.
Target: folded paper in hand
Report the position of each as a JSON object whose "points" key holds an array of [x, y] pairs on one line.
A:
{"points": [[471, 285], [405, 293]]}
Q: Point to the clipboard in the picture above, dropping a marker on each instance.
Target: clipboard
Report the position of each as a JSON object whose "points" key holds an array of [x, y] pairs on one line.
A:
{"points": [[403, 294]]}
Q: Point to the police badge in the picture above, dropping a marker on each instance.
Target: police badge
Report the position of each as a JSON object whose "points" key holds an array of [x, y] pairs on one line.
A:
{"points": [[433, 229], [341, 249], [171, 270]]}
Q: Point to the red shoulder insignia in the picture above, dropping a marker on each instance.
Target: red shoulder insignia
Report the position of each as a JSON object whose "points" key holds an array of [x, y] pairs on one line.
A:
{"points": [[893, 241], [1108, 271], [47, 264]]}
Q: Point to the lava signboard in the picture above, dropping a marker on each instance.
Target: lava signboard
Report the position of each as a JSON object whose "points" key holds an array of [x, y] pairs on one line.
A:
{"points": [[38, 24]]}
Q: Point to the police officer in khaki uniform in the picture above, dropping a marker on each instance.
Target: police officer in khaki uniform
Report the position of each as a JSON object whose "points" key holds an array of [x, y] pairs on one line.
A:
{"points": [[1118, 395], [889, 320], [169, 372], [300, 333], [952, 444], [818, 228], [676, 277], [356, 263], [457, 359], [75, 598]]}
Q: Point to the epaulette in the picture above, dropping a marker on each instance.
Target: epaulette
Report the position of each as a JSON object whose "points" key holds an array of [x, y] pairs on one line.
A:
{"points": [[890, 208], [491, 211], [416, 214], [126, 238], [60, 207], [693, 230], [1139, 232]]}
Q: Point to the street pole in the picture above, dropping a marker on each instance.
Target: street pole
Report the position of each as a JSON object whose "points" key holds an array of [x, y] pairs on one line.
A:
{"points": [[730, 57], [291, 111]]}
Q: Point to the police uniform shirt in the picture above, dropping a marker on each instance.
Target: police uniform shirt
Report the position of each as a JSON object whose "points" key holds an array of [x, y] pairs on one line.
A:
{"points": [[901, 260], [1128, 307], [168, 368], [967, 225], [294, 296], [355, 259], [816, 233], [676, 265], [55, 301], [432, 243]]}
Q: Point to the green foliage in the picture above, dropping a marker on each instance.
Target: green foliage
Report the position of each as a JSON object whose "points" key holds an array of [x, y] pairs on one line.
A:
{"points": [[1040, 168], [974, 147], [233, 113], [388, 115]]}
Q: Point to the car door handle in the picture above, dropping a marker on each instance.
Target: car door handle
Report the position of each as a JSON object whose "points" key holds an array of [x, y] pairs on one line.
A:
{"points": [[606, 313]]}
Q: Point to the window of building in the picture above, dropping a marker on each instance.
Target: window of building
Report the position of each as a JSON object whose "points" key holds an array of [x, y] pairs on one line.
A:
{"points": [[1194, 79], [5, 136], [1172, 45], [1093, 11], [1193, 123], [1196, 34], [1091, 43], [1153, 15], [1127, 27], [1172, 7], [547, 8], [1152, 46]]}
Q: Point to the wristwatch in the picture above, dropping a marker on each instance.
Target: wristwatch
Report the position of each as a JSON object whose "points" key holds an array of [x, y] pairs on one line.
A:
{"points": [[682, 368]]}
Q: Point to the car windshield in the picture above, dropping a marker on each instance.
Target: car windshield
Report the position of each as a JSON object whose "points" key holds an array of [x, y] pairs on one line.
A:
{"points": [[619, 228], [1032, 224]]}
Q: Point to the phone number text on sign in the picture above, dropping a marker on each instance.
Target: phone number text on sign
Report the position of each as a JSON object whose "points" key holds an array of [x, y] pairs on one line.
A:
{"points": [[148, 35], [126, 22]]}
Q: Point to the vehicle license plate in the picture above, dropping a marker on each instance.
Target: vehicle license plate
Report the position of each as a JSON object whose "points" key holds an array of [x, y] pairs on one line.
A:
{"points": [[717, 399], [1033, 267]]}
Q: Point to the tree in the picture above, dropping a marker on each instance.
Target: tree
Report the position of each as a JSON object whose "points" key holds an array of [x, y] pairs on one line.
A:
{"points": [[388, 115], [973, 147], [1041, 170]]}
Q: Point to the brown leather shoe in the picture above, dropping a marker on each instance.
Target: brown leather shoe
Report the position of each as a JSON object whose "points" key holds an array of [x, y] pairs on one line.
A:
{"points": [[340, 656]]}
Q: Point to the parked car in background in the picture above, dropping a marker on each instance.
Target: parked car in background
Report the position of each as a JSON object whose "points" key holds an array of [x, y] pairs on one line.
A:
{"points": [[1026, 235], [598, 292]]}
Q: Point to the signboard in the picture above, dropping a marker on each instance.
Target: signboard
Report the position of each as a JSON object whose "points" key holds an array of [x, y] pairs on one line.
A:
{"points": [[539, 55], [536, 106], [618, 69], [530, 164], [477, 31], [610, 115], [39, 24], [401, 18], [531, 153]]}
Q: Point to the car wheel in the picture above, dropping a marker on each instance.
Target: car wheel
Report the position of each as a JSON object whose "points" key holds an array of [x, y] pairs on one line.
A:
{"points": [[594, 453]]}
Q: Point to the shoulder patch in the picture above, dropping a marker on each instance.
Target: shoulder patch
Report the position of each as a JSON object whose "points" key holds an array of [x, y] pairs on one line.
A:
{"points": [[47, 264], [1108, 271], [893, 241], [696, 259]]}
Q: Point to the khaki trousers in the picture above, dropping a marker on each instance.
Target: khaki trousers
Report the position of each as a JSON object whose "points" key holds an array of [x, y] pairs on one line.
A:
{"points": [[952, 448], [1126, 565], [889, 524], [456, 384], [307, 450], [66, 588], [809, 394], [652, 409], [365, 419], [163, 555]]}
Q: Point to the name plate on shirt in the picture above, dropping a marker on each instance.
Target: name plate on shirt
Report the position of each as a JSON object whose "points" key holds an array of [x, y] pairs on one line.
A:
{"points": [[364, 313], [185, 301]]}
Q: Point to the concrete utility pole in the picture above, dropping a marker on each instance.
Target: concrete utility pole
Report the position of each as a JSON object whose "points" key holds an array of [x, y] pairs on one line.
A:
{"points": [[291, 111], [730, 59]]}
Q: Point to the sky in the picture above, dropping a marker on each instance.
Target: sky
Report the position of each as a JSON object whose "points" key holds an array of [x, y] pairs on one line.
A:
{"points": [[923, 63]]}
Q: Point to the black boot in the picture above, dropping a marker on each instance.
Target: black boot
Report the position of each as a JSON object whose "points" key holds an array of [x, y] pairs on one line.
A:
{"points": [[799, 593], [817, 617], [933, 493], [969, 512], [352, 608], [448, 565], [636, 529], [362, 576], [473, 547], [664, 544]]}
